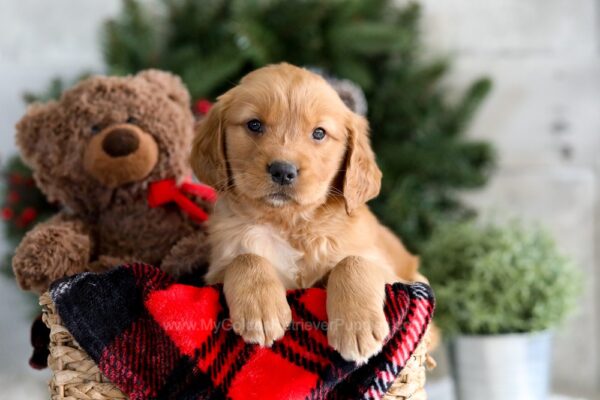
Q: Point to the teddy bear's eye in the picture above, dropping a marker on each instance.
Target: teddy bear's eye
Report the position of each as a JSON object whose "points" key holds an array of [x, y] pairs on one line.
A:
{"points": [[95, 129], [131, 120]]}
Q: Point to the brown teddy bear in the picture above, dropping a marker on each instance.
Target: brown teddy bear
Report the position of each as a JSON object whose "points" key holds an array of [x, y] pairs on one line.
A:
{"points": [[113, 151]]}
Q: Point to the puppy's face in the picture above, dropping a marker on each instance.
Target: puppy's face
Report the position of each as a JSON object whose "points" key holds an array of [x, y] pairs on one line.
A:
{"points": [[282, 138], [285, 137]]}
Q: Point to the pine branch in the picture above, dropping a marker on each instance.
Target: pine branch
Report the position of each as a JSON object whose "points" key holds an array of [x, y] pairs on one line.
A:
{"points": [[418, 133]]}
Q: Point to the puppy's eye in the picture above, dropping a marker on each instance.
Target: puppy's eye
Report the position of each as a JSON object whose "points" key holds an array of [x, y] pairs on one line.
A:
{"points": [[95, 129], [255, 126], [319, 134], [131, 120]]}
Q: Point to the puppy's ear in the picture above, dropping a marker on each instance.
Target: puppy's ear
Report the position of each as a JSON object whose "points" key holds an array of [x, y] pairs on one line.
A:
{"points": [[362, 178], [208, 150]]}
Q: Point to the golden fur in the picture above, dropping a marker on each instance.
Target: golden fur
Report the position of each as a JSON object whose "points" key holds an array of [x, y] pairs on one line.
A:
{"points": [[266, 238]]}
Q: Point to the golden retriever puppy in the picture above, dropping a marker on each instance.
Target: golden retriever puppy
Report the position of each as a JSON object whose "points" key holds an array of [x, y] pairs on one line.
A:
{"points": [[294, 169]]}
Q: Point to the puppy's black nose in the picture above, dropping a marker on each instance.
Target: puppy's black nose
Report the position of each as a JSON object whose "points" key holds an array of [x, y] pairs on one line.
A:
{"points": [[283, 173]]}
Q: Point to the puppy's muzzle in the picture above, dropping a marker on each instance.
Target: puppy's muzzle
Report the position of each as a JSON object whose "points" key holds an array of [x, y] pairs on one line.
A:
{"points": [[283, 173], [120, 154]]}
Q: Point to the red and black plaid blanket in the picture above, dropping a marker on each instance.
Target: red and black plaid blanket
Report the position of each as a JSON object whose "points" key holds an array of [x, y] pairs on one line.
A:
{"points": [[158, 339]]}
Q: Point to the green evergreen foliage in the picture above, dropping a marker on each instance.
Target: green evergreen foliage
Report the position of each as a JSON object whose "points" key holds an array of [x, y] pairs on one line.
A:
{"points": [[417, 131], [496, 279], [23, 205]]}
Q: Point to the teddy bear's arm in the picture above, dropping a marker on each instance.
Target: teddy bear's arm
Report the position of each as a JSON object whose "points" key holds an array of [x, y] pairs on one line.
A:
{"points": [[189, 254], [53, 249]]}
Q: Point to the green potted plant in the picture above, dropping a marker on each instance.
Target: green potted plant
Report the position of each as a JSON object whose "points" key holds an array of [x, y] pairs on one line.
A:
{"points": [[501, 290]]}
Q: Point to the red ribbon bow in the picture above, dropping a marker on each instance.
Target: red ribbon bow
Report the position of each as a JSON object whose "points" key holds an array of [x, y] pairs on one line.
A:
{"points": [[166, 191]]}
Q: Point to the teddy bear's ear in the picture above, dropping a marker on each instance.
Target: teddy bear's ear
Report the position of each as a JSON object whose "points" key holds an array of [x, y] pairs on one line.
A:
{"points": [[169, 83], [31, 130]]}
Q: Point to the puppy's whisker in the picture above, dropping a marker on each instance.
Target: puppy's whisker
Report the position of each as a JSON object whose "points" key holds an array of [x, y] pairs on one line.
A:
{"points": [[335, 191], [257, 146], [228, 183]]}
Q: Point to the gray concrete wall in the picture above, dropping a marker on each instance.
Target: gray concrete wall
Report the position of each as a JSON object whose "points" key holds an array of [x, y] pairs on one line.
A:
{"points": [[544, 117], [38, 40]]}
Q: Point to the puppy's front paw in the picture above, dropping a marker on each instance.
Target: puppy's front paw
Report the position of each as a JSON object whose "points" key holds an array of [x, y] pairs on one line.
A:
{"points": [[261, 317], [357, 334]]}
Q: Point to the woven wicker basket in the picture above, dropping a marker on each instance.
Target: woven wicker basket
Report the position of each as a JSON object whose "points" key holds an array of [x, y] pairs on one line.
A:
{"points": [[75, 376]]}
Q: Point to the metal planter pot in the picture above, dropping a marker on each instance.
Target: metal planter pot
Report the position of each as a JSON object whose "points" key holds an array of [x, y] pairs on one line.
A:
{"points": [[500, 367]]}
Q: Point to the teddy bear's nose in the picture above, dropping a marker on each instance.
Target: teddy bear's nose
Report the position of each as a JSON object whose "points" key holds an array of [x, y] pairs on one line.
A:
{"points": [[120, 142]]}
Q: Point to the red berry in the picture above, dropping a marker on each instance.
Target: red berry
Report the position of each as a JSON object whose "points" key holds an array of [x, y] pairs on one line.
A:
{"points": [[203, 106], [7, 213], [28, 215]]}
